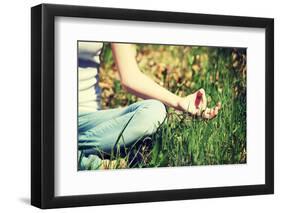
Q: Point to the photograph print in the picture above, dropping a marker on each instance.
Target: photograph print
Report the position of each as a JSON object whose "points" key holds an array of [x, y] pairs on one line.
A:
{"points": [[160, 105]]}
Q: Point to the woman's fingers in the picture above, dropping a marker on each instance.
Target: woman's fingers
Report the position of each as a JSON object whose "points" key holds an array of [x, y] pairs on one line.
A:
{"points": [[216, 111], [211, 113], [206, 113], [204, 100], [198, 99], [219, 105]]}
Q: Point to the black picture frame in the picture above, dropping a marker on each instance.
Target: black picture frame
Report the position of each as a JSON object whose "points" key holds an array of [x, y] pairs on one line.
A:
{"points": [[43, 102]]}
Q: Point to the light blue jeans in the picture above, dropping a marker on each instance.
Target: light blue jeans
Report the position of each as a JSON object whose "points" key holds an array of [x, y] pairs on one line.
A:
{"points": [[99, 131]]}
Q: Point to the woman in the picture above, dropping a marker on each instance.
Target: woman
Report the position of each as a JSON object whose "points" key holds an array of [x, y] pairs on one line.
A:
{"points": [[99, 130]]}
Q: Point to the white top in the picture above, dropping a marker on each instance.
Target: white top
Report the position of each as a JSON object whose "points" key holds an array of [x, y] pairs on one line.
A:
{"points": [[89, 97]]}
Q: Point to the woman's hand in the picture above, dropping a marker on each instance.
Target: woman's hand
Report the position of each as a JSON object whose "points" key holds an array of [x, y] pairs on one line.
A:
{"points": [[196, 104]]}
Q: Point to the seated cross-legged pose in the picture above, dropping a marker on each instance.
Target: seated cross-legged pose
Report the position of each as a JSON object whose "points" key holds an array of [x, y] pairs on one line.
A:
{"points": [[99, 130]]}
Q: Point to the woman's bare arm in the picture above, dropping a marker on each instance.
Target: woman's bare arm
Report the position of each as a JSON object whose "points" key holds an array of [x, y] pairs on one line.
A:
{"points": [[137, 83]]}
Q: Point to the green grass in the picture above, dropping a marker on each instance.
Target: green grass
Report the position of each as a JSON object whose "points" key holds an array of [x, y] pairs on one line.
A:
{"points": [[183, 140]]}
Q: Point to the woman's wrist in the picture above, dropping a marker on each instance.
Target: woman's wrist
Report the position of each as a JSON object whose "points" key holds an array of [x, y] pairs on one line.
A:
{"points": [[179, 103]]}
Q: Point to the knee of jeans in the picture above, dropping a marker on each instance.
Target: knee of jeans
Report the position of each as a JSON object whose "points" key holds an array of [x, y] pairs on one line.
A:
{"points": [[155, 114]]}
